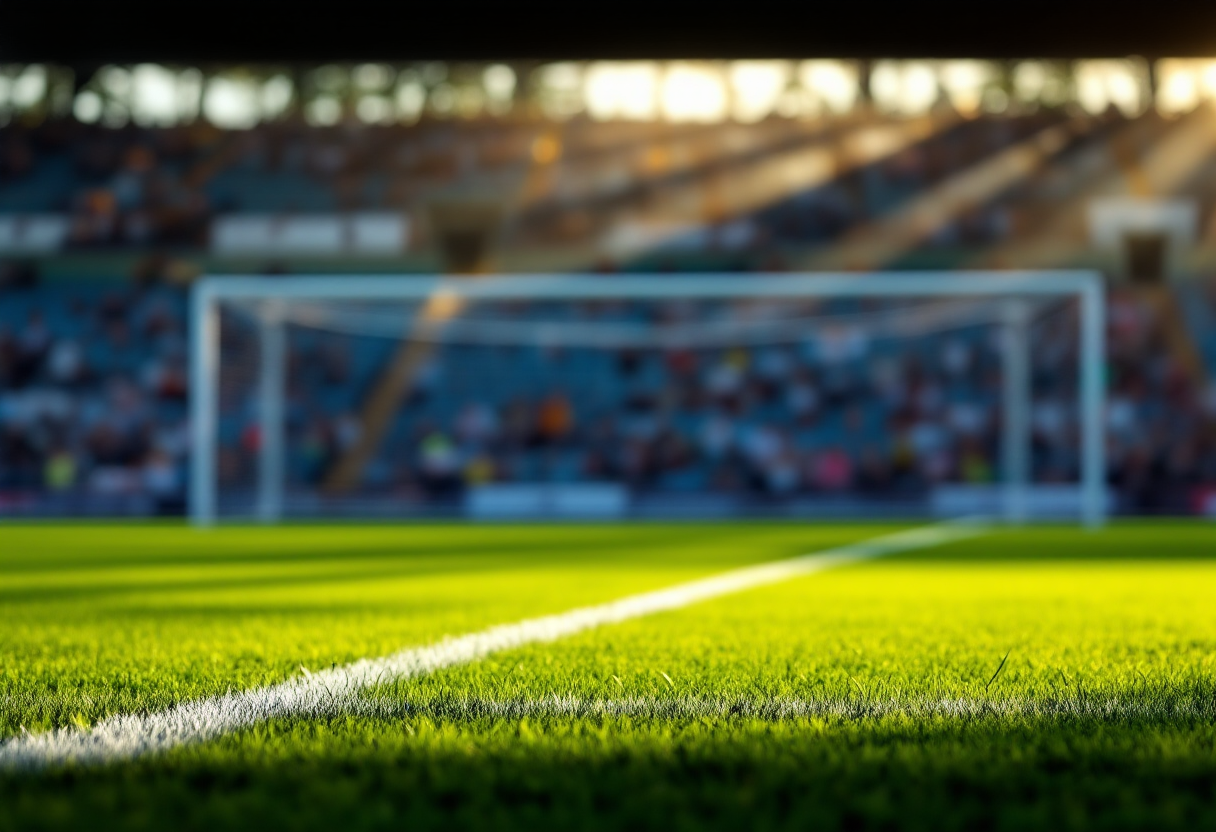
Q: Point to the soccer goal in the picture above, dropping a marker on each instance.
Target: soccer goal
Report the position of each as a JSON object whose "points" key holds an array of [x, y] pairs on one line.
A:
{"points": [[649, 395]]}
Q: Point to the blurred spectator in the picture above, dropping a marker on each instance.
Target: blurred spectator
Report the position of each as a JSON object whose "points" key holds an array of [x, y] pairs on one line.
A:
{"points": [[832, 470], [554, 419], [162, 482], [477, 425], [22, 274], [440, 463], [60, 471]]}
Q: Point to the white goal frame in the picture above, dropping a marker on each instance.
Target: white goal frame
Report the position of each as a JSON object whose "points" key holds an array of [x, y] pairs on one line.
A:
{"points": [[1086, 287]]}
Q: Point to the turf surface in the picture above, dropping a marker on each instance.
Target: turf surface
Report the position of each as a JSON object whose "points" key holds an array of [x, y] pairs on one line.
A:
{"points": [[1047, 678]]}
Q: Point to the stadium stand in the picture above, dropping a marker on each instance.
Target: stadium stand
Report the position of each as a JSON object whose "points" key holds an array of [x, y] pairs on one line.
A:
{"points": [[95, 390], [93, 371]]}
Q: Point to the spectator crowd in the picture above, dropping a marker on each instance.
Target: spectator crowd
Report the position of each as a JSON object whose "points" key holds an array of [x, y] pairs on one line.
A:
{"points": [[93, 416]]}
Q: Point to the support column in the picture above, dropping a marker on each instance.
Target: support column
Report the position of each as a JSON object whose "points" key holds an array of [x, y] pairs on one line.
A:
{"points": [[271, 394], [1016, 398], [204, 381]]}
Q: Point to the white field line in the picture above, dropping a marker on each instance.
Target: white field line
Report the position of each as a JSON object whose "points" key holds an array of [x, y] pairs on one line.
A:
{"points": [[127, 736]]}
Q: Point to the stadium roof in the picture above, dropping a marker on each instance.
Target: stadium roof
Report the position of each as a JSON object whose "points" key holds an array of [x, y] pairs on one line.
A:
{"points": [[222, 31]]}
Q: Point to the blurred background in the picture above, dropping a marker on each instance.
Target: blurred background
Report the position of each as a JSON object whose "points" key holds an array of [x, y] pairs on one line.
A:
{"points": [[121, 183]]}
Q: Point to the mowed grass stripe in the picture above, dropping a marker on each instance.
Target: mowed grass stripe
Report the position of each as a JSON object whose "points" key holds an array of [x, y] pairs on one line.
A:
{"points": [[98, 620], [986, 625], [337, 690]]}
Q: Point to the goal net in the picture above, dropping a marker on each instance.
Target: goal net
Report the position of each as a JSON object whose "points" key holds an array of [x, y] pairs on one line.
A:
{"points": [[898, 394]]}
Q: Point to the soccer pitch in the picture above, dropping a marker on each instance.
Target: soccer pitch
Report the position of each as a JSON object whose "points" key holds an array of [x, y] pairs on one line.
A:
{"points": [[1037, 678]]}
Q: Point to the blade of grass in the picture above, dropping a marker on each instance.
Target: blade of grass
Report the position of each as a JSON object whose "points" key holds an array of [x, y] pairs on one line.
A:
{"points": [[999, 668]]}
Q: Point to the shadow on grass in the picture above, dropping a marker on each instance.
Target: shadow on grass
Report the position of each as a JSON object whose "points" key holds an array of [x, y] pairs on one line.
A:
{"points": [[47, 549], [611, 773], [225, 549], [1143, 542], [702, 549]]}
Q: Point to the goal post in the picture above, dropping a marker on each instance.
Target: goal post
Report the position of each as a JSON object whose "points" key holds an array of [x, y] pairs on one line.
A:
{"points": [[1009, 299]]}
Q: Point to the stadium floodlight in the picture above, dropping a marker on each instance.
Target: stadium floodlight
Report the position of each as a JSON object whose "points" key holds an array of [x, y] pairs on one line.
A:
{"points": [[436, 310]]}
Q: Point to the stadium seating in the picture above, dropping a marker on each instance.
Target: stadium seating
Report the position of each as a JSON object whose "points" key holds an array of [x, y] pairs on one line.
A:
{"points": [[94, 410], [93, 373]]}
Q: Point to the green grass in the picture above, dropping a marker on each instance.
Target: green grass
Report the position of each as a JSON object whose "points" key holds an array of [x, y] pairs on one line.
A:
{"points": [[865, 697]]}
